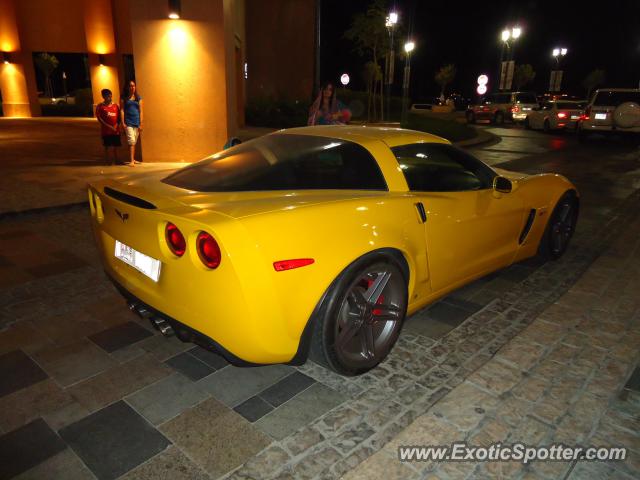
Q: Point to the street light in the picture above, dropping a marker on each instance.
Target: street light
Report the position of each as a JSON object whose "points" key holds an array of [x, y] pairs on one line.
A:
{"points": [[558, 54], [509, 36], [390, 23], [408, 48]]}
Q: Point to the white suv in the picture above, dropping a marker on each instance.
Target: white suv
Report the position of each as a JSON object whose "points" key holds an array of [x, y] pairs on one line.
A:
{"points": [[614, 110]]}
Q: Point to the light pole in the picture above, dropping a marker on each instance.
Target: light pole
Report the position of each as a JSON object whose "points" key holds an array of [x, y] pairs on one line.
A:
{"points": [[556, 75], [408, 48], [390, 23], [509, 37]]}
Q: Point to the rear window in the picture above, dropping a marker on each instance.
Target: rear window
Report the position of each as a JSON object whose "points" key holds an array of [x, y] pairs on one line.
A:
{"points": [[284, 162], [497, 98], [569, 105], [613, 99], [526, 98]]}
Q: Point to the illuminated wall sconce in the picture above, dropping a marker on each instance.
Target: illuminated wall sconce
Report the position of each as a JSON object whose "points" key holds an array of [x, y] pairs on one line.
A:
{"points": [[174, 9], [101, 60], [6, 58]]}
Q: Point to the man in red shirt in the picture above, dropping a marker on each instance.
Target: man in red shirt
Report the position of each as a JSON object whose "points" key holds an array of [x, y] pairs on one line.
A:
{"points": [[108, 114]]}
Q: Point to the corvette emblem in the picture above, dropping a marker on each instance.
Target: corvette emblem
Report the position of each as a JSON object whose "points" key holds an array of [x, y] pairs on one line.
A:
{"points": [[123, 216]]}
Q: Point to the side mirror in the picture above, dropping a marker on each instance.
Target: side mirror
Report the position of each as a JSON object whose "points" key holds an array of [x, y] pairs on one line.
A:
{"points": [[502, 185]]}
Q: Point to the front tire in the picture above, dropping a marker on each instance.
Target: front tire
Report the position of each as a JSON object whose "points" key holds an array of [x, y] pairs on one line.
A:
{"points": [[363, 317], [560, 228]]}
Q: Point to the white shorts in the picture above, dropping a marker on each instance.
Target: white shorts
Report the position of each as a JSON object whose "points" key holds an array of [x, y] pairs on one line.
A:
{"points": [[132, 135]]}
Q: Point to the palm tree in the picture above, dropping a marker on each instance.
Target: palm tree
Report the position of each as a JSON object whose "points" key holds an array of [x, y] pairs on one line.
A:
{"points": [[47, 64], [445, 76]]}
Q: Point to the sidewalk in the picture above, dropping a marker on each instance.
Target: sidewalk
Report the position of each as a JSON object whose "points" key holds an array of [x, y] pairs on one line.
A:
{"points": [[564, 379], [74, 157]]}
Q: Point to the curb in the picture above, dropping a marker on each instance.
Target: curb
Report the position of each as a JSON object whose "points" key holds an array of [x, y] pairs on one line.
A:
{"points": [[12, 215], [480, 139]]}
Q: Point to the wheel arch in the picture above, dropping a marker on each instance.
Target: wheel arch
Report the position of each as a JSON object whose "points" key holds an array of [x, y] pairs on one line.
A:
{"points": [[328, 298]]}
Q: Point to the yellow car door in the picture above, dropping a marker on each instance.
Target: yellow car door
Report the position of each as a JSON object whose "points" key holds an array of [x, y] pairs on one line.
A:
{"points": [[470, 228]]}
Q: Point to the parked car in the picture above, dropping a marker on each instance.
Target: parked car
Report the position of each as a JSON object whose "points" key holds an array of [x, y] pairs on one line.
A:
{"points": [[459, 102], [611, 110], [555, 115], [313, 241], [503, 106], [68, 99]]}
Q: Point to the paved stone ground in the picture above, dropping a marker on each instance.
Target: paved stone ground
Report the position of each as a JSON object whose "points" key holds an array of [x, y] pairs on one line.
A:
{"points": [[89, 391], [561, 380], [51, 164]]}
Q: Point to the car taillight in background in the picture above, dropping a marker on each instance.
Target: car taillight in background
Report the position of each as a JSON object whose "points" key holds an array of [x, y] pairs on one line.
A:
{"points": [[208, 250], [586, 114], [515, 109], [562, 114], [175, 240]]}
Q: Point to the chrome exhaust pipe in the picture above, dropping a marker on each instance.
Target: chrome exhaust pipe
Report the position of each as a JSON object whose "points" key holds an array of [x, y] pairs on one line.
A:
{"points": [[162, 325]]}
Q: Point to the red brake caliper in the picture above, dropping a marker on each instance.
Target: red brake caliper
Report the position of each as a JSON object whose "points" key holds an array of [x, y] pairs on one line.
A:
{"points": [[380, 301]]}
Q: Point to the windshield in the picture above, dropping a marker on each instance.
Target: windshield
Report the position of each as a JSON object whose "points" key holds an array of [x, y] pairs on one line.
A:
{"points": [[284, 162]]}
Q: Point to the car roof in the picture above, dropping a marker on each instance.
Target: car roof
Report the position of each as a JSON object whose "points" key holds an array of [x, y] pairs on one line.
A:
{"points": [[357, 133], [618, 90]]}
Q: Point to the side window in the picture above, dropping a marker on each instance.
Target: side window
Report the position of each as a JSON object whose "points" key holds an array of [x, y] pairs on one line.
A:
{"points": [[547, 106], [433, 167]]}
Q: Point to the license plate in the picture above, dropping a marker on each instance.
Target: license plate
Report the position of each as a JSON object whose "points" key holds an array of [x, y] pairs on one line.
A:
{"points": [[141, 262], [601, 116], [575, 117]]}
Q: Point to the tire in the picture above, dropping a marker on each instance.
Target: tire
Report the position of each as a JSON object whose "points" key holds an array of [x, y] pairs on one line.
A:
{"points": [[471, 118], [498, 118], [560, 227], [350, 335], [546, 127], [526, 123]]}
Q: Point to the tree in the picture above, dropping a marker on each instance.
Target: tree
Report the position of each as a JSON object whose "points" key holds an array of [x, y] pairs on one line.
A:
{"points": [[523, 75], [47, 64], [370, 39], [445, 76], [591, 81]]}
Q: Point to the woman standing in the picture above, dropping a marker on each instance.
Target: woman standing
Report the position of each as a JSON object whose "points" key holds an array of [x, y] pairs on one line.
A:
{"points": [[131, 108], [327, 109]]}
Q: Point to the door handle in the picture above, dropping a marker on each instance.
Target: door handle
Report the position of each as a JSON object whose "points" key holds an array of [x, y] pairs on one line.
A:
{"points": [[422, 212]]}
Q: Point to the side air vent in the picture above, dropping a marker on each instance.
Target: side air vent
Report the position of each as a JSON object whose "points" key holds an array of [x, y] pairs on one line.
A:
{"points": [[130, 199], [528, 225]]}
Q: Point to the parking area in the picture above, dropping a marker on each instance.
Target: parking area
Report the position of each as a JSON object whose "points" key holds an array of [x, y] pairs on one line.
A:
{"points": [[94, 392]]}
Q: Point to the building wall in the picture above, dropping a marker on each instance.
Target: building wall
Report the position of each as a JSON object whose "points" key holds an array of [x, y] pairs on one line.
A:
{"points": [[181, 73], [280, 48]]}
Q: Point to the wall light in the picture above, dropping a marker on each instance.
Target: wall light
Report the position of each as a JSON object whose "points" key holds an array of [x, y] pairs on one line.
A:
{"points": [[101, 60], [6, 58], [174, 9]]}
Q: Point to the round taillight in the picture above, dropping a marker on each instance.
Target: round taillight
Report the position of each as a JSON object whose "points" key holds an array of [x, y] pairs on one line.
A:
{"points": [[208, 250], [175, 239]]}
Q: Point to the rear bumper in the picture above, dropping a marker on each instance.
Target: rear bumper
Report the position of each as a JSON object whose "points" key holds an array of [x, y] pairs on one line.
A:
{"points": [[183, 332]]}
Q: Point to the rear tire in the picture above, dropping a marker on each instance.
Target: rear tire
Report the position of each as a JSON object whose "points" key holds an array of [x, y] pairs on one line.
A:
{"points": [[498, 118], [471, 118], [361, 316], [526, 123], [546, 126], [560, 227]]}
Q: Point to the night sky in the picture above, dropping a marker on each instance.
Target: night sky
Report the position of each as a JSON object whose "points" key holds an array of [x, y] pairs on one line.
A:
{"points": [[602, 35]]}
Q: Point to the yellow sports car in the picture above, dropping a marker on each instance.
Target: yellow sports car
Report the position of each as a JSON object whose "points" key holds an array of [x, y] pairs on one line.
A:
{"points": [[319, 240]]}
